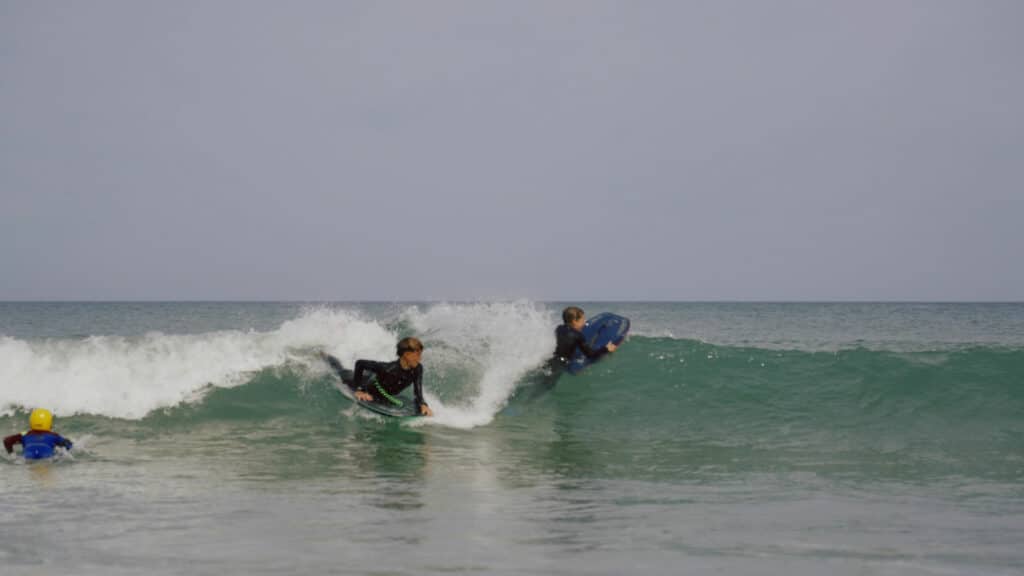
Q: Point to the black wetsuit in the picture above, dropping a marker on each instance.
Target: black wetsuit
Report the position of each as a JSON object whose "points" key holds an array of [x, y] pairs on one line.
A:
{"points": [[391, 380], [567, 341]]}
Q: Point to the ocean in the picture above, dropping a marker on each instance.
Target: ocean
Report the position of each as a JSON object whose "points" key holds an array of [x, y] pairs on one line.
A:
{"points": [[728, 438]]}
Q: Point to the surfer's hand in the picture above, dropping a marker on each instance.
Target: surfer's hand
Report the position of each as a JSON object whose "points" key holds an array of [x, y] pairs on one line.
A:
{"points": [[611, 347], [425, 410], [364, 396]]}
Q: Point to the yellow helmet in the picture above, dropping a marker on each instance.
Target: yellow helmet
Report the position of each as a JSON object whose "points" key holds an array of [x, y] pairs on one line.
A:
{"points": [[41, 420]]}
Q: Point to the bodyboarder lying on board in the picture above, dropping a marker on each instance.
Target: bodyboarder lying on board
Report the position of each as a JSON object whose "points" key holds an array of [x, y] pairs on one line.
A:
{"points": [[394, 376]]}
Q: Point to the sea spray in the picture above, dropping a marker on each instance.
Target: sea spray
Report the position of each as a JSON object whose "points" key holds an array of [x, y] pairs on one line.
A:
{"points": [[128, 377], [491, 346], [476, 354]]}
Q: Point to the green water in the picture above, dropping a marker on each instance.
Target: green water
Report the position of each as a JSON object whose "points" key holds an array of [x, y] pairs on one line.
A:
{"points": [[221, 445]]}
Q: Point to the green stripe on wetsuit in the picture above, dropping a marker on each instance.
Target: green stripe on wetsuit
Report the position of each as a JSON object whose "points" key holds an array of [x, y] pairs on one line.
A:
{"points": [[389, 397]]}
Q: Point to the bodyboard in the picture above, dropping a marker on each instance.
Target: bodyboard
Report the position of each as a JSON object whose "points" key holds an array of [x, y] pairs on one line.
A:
{"points": [[603, 329]]}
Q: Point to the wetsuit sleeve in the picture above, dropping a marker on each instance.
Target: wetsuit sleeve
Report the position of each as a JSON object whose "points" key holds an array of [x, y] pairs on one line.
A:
{"points": [[10, 441], [358, 372], [62, 441], [587, 350], [417, 387]]}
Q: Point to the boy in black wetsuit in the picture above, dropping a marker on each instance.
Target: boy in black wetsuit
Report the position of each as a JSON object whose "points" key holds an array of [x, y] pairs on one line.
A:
{"points": [[568, 339], [395, 376]]}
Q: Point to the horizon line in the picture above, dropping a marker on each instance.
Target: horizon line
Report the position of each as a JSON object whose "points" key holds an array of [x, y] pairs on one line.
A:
{"points": [[494, 300]]}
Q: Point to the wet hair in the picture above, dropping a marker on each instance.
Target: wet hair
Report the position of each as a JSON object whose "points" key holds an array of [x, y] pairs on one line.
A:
{"points": [[572, 314], [409, 344]]}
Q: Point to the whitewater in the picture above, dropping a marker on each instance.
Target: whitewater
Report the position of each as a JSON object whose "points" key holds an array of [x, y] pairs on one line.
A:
{"points": [[746, 438]]}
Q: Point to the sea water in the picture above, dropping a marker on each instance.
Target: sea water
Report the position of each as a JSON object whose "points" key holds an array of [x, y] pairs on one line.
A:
{"points": [[732, 438]]}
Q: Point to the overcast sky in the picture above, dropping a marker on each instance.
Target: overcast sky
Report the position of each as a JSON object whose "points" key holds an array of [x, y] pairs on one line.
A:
{"points": [[550, 150]]}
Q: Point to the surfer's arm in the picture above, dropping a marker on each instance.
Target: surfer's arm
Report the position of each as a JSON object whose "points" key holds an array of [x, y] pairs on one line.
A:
{"points": [[417, 390], [358, 376], [10, 441], [64, 442], [590, 352]]}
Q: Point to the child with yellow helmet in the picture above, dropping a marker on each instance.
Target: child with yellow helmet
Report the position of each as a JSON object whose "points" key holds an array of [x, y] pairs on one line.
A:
{"points": [[39, 442]]}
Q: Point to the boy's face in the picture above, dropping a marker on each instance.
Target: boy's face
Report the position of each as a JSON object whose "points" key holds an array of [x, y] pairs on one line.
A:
{"points": [[578, 323], [411, 358]]}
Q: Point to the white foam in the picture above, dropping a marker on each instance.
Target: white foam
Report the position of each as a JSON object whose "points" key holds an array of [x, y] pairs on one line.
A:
{"points": [[475, 355], [130, 377], [496, 342]]}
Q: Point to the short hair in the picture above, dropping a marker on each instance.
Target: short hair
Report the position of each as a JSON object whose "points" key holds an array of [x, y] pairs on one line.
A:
{"points": [[572, 314], [409, 344]]}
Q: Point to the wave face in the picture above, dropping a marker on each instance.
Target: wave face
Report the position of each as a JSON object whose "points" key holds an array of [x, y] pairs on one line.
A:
{"points": [[660, 401], [476, 354]]}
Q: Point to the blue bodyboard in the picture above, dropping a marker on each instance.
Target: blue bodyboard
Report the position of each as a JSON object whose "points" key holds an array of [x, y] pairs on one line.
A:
{"points": [[603, 329], [347, 388]]}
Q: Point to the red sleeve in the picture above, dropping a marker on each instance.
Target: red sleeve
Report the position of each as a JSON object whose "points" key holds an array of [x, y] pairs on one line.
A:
{"points": [[10, 441]]}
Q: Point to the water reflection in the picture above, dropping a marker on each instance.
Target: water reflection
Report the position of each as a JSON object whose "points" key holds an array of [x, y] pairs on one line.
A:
{"points": [[389, 464]]}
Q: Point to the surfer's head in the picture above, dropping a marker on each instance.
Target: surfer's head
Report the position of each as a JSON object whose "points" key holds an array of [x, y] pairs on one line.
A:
{"points": [[409, 351], [40, 420], [573, 316]]}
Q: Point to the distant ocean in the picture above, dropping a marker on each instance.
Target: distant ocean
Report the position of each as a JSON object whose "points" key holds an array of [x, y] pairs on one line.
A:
{"points": [[728, 438]]}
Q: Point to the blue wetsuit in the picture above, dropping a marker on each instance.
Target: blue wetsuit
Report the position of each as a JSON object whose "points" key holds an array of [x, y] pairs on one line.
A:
{"points": [[36, 444]]}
